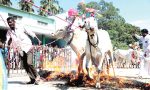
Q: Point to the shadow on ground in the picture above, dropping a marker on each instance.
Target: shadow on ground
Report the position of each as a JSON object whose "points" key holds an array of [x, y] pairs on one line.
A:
{"points": [[16, 82]]}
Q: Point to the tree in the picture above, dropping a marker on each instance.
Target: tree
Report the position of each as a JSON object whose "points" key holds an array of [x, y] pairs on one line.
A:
{"points": [[81, 8], [6, 2], [51, 6], [119, 30], [26, 5]]}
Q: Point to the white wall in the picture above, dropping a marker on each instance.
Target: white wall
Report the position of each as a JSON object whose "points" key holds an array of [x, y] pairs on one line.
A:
{"points": [[60, 20], [29, 23], [3, 17]]}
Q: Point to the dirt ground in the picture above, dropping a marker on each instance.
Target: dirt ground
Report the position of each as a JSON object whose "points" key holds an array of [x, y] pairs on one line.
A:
{"points": [[17, 82]]}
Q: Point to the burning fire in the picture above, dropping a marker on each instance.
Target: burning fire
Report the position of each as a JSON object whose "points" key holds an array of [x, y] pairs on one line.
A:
{"points": [[59, 64], [107, 82]]}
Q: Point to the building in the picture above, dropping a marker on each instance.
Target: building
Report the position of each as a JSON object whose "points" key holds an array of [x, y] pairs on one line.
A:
{"points": [[42, 26], [60, 20]]}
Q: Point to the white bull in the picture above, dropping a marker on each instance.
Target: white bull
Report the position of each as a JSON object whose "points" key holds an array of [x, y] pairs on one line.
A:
{"points": [[127, 58], [98, 46], [77, 41], [75, 38]]}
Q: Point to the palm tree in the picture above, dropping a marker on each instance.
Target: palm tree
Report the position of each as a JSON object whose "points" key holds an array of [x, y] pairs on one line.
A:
{"points": [[6, 2], [26, 6], [51, 6]]}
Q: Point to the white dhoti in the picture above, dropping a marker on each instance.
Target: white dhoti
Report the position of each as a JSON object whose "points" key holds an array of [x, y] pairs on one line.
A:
{"points": [[145, 67]]}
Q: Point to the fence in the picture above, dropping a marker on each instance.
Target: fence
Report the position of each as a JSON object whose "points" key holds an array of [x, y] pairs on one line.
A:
{"points": [[49, 58]]}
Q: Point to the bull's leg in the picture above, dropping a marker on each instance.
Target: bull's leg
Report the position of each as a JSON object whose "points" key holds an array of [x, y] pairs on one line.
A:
{"points": [[88, 66], [107, 66], [138, 65], [99, 69], [101, 59], [117, 62], [133, 65], [75, 49], [80, 59], [80, 67], [110, 54], [98, 80]]}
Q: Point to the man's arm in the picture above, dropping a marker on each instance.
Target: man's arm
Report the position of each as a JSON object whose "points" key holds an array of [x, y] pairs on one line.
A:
{"points": [[32, 34], [8, 39], [148, 41], [137, 36]]}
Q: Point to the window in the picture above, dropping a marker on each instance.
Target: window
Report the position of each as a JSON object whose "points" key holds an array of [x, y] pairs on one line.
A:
{"points": [[42, 23], [15, 16]]}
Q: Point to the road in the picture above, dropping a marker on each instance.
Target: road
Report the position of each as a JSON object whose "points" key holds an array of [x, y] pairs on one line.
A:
{"points": [[17, 82]]}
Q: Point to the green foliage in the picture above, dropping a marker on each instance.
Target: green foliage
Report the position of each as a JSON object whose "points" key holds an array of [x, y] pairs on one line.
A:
{"points": [[6, 2], [51, 6], [26, 6], [120, 32], [108, 18]]}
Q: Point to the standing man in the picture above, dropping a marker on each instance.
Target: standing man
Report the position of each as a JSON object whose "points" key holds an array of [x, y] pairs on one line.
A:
{"points": [[18, 37], [145, 63]]}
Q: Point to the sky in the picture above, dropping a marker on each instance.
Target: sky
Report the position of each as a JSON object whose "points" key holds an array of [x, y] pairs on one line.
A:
{"points": [[135, 12]]}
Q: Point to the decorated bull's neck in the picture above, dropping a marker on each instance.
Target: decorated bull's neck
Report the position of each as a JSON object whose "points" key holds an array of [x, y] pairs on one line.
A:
{"points": [[96, 44], [69, 31], [69, 42]]}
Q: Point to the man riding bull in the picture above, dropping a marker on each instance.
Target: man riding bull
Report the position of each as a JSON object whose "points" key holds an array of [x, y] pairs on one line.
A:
{"points": [[72, 14]]}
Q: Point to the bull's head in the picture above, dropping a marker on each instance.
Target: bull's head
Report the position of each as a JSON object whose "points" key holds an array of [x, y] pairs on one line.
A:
{"points": [[90, 25], [65, 32]]}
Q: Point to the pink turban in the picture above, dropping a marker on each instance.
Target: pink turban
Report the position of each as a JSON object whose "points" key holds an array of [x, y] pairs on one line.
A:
{"points": [[72, 12]]}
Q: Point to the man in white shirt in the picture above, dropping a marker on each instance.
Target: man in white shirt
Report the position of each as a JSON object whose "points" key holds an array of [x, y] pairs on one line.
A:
{"points": [[17, 37], [145, 63]]}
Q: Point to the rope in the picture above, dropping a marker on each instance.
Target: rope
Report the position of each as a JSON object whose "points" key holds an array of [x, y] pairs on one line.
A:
{"points": [[46, 12], [3, 20], [25, 43], [53, 41], [49, 12]]}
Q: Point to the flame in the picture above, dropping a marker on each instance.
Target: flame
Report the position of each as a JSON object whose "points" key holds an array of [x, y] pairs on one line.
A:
{"points": [[148, 85], [107, 79], [73, 79], [58, 65]]}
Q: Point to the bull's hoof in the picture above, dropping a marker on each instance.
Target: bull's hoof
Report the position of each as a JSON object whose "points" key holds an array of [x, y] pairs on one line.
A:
{"points": [[91, 76], [98, 85], [140, 77]]}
